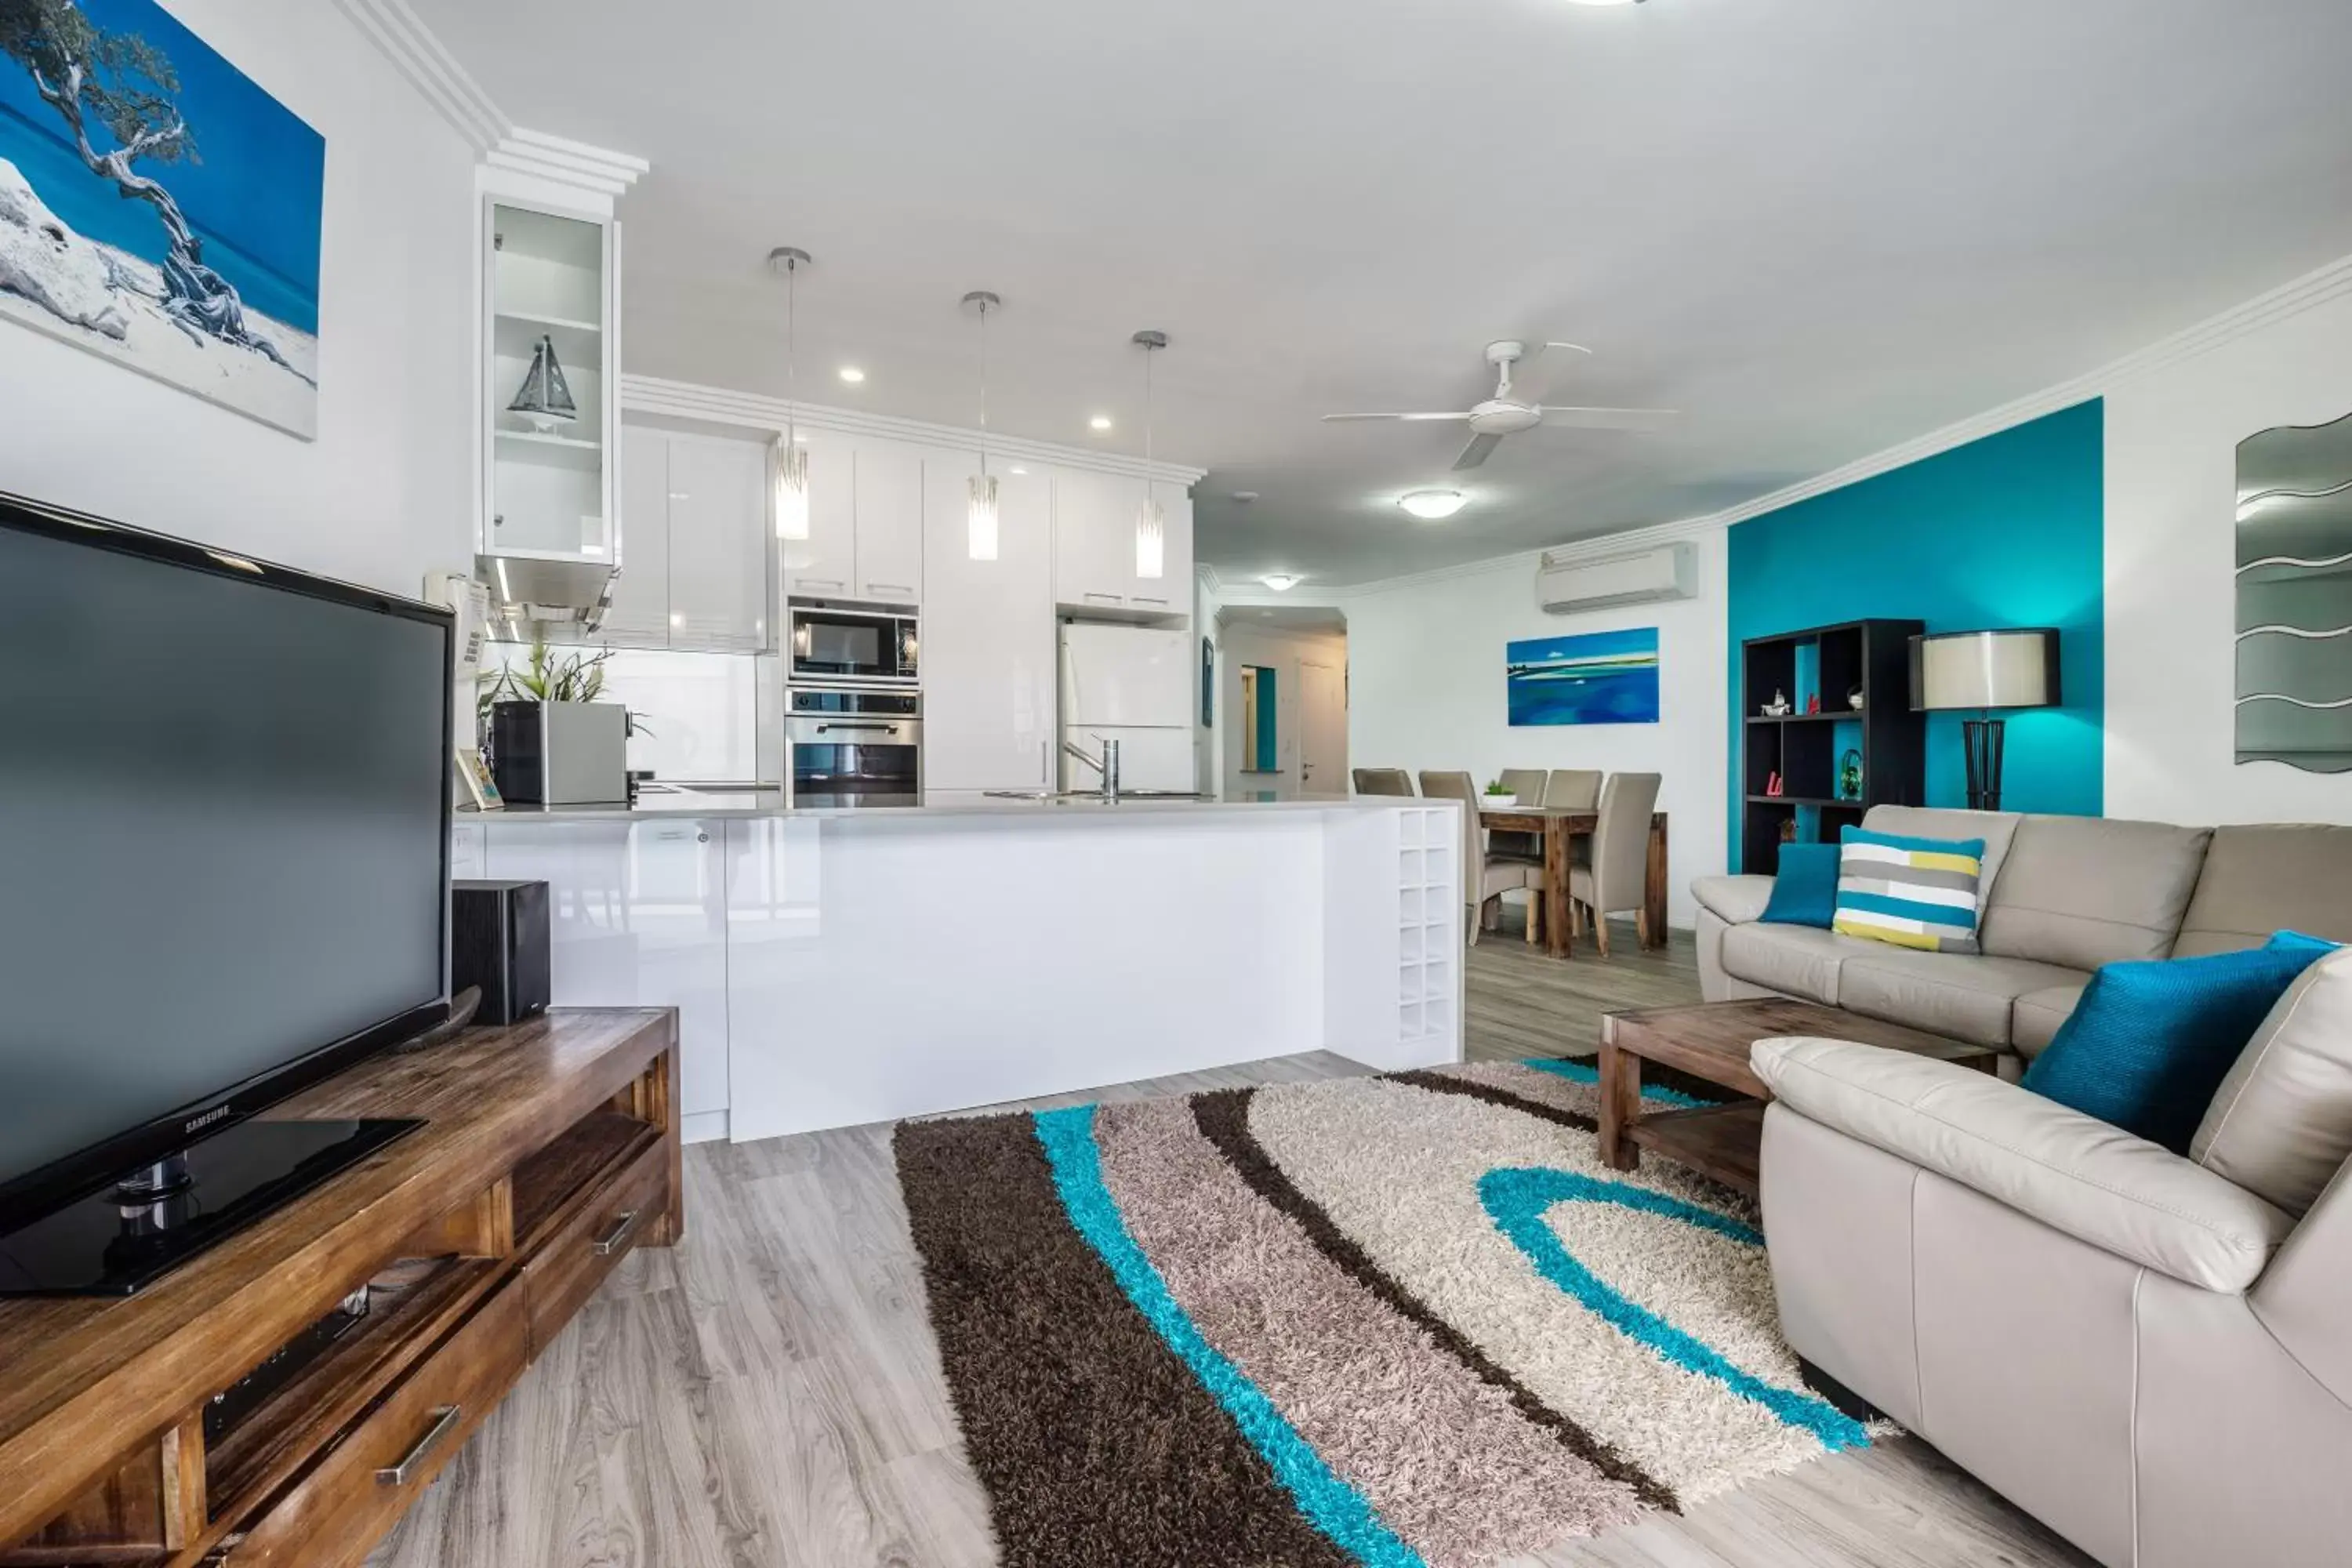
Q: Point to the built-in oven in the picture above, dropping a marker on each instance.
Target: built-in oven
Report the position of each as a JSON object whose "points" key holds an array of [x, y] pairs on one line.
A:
{"points": [[852, 645], [853, 746]]}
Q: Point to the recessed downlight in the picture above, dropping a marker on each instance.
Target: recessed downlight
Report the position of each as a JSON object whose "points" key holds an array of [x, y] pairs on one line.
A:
{"points": [[1280, 581], [852, 374], [1100, 422], [1432, 504]]}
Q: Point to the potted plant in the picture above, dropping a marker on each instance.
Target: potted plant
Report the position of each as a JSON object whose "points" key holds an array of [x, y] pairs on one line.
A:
{"points": [[1496, 795], [551, 740]]}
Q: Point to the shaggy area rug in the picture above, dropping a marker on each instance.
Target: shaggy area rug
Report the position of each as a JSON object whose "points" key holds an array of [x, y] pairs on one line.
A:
{"points": [[1402, 1320]]}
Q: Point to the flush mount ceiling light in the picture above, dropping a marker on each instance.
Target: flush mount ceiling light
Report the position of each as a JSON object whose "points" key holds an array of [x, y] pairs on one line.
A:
{"points": [[1244, 497], [792, 481], [1604, 2], [1099, 423], [1150, 522], [1280, 581], [1432, 504], [979, 508], [852, 374]]}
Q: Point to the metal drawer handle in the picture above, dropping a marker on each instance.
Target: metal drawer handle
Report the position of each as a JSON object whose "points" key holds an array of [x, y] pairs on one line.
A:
{"points": [[614, 1240], [890, 587], [444, 1421]]}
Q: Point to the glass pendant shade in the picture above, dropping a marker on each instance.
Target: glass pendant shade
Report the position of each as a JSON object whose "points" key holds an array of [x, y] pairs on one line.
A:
{"points": [[792, 489], [1151, 538], [980, 518]]}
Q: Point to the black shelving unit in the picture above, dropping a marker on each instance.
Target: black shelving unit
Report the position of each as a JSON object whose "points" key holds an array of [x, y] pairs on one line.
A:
{"points": [[1873, 656]]}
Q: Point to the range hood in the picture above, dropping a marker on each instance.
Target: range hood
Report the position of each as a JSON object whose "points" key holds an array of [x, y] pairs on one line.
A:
{"points": [[542, 590]]}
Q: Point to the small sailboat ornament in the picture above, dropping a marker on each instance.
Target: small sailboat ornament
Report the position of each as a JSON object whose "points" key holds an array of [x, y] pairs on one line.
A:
{"points": [[545, 399]]}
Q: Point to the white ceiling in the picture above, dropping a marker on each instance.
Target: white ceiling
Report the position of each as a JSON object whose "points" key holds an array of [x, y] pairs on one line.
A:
{"points": [[1817, 227]]}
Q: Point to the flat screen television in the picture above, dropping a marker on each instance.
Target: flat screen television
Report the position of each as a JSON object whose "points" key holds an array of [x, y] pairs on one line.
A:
{"points": [[225, 794]]}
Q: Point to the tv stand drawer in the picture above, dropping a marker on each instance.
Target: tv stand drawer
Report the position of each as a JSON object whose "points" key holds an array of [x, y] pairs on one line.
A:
{"points": [[335, 1515], [562, 1273]]}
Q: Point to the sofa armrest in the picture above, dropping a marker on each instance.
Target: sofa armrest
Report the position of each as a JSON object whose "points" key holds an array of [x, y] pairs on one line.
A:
{"points": [[2301, 1298], [1736, 901], [2073, 1172]]}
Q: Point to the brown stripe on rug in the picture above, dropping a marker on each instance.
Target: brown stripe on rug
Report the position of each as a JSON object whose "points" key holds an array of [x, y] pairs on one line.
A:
{"points": [[1439, 1083], [1222, 1116], [1094, 1443]]}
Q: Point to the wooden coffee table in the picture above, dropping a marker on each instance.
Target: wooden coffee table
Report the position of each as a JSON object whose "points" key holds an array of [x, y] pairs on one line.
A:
{"points": [[1710, 1040]]}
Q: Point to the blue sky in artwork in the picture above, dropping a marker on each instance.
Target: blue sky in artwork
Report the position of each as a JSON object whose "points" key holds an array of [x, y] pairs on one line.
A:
{"points": [[1584, 645], [254, 198]]}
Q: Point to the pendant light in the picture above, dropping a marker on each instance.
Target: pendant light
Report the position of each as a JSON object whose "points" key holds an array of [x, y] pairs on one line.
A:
{"points": [[791, 500], [1150, 522], [980, 510]]}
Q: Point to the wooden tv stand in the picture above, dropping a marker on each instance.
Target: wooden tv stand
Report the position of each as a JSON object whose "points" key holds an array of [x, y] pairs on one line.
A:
{"points": [[549, 1149]]}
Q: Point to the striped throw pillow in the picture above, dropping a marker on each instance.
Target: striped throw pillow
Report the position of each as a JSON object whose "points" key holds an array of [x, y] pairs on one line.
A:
{"points": [[1913, 892]]}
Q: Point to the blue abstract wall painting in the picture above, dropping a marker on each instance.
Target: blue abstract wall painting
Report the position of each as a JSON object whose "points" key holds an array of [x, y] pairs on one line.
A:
{"points": [[158, 207], [1598, 677]]}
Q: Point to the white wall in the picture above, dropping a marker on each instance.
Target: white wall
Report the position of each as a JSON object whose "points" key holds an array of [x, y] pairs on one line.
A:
{"points": [[1282, 650], [385, 492], [1426, 691], [2171, 479]]}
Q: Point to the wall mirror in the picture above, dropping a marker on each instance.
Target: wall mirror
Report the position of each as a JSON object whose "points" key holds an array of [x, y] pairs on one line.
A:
{"points": [[2294, 597]]}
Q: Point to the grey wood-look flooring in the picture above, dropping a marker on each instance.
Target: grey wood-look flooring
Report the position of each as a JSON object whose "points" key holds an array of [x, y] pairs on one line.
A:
{"points": [[768, 1395]]}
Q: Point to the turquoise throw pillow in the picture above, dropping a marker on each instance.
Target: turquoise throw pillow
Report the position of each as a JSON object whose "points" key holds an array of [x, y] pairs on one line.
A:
{"points": [[1805, 893], [2148, 1045]]}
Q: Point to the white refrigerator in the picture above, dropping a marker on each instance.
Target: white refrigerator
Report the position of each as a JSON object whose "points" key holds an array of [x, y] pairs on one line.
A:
{"points": [[1132, 685]]}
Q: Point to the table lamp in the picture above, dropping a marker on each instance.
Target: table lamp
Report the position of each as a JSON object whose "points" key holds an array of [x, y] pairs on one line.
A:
{"points": [[2010, 666]]}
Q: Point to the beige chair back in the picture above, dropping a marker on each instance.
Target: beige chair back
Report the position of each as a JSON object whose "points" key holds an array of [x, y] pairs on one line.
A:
{"points": [[1578, 787], [1621, 842], [1528, 784], [1383, 781], [1458, 787]]}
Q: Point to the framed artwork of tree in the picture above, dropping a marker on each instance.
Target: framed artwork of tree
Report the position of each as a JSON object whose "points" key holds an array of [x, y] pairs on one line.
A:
{"points": [[158, 207]]}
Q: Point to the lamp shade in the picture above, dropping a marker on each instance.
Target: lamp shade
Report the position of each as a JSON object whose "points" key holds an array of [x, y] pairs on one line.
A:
{"points": [[2011, 667]]}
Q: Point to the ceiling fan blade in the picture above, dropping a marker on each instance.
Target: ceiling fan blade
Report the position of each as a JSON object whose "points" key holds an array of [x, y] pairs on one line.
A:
{"points": [[1476, 452], [1607, 418], [1579, 348], [1342, 418]]}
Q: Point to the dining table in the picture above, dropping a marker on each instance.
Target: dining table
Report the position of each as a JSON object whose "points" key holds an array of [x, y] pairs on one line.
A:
{"points": [[1558, 825]]}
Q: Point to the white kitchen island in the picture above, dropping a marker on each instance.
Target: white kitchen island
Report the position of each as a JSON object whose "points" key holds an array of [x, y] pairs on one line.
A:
{"points": [[833, 967]]}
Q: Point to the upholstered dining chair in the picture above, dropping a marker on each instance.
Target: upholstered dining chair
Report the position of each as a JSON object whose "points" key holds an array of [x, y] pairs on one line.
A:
{"points": [[1578, 787], [1484, 878], [1618, 878], [1526, 785], [1383, 781]]}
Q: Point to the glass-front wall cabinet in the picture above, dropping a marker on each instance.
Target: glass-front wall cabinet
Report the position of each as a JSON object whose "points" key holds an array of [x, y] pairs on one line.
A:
{"points": [[550, 447]]}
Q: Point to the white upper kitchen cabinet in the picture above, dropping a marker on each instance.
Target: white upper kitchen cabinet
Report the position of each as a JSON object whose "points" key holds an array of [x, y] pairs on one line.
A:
{"points": [[717, 544], [824, 564], [1094, 537], [639, 614], [890, 521], [989, 645]]}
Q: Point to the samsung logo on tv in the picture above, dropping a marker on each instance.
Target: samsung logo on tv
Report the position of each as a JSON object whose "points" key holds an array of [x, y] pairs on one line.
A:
{"points": [[219, 1113]]}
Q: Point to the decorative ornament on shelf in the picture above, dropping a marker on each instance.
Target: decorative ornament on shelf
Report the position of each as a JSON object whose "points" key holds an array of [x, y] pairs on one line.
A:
{"points": [[545, 398], [1813, 703], [1788, 830], [1850, 775], [1778, 707], [1772, 783], [1854, 700]]}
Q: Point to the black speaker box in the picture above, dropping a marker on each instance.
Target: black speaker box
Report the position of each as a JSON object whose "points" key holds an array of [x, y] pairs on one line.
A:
{"points": [[499, 941]]}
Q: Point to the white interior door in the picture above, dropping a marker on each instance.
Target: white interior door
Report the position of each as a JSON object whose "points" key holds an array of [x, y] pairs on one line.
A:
{"points": [[1322, 729]]}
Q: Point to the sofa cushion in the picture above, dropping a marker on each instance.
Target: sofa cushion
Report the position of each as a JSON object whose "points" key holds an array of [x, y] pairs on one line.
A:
{"points": [[2087, 890], [1968, 997], [1735, 900], [2034, 1022], [1805, 892], [2070, 1172], [1995, 828], [1909, 893], [1796, 960], [2151, 1042], [2280, 1124], [2276, 877]]}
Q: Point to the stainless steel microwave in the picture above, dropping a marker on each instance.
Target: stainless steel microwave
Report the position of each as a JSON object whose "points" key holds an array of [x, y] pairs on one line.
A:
{"points": [[860, 645]]}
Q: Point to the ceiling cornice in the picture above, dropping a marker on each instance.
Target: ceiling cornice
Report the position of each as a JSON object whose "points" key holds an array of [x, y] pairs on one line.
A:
{"points": [[432, 70], [458, 98], [769, 416], [2309, 291]]}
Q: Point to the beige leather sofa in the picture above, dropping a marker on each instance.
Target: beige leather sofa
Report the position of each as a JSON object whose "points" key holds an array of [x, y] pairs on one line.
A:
{"points": [[2151, 1353], [2061, 895]]}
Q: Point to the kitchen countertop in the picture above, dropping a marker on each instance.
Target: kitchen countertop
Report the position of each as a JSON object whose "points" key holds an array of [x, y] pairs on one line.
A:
{"points": [[653, 806]]}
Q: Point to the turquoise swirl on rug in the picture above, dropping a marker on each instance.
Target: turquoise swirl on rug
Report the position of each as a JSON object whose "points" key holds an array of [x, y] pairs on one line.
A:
{"points": [[1394, 1321]]}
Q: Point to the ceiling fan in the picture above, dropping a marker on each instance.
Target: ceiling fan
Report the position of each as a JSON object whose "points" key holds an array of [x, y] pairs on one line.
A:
{"points": [[1503, 415]]}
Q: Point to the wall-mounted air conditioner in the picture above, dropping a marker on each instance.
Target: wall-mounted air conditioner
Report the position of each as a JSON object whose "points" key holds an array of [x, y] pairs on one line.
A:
{"points": [[1567, 587]]}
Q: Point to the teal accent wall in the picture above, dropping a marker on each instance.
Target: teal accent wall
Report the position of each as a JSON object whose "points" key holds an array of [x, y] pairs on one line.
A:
{"points": [[2006, 530]]}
